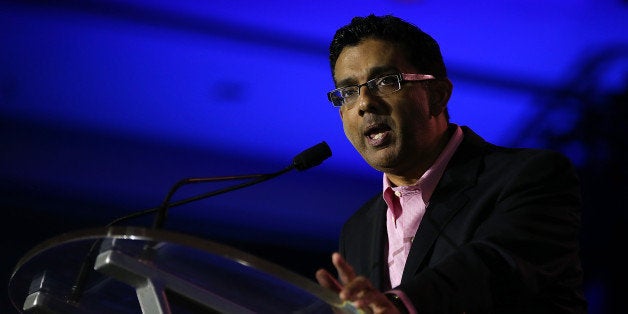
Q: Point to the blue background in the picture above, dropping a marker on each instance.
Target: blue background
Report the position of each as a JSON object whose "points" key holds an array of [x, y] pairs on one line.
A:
{"points": [[105, 104]]}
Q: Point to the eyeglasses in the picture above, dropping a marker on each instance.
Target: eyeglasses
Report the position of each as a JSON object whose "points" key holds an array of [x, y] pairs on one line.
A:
{"points": [[383, 85]]}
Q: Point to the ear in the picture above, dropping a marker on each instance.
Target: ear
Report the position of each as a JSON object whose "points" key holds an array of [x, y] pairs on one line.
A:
{"points": [[440, 91]]}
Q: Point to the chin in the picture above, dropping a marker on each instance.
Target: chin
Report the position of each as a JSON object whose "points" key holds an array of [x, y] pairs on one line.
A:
{"points": [[380, 163]]}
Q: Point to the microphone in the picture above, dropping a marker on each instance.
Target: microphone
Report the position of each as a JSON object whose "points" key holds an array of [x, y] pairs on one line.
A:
{"points": [[307, 159], [312, 156]]}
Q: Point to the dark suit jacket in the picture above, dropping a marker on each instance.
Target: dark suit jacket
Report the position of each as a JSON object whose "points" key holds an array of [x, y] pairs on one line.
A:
{"points": [[500, 235]]}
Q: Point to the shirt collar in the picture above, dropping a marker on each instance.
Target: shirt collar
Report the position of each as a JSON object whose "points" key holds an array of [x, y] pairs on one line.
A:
{"points": [[428, 181]]}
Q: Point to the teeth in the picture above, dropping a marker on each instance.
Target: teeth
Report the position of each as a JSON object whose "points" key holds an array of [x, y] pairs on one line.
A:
{"points": [[378, 136]]}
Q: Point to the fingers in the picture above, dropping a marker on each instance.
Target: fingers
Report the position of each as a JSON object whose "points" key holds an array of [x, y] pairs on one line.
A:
{"points": [[356, 289], [328, 281], [361, 293], [345, 271]]}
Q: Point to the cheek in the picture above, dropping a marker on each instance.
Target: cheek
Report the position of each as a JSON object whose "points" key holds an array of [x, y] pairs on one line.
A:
{"points": [[350, 127], [417, 107]]}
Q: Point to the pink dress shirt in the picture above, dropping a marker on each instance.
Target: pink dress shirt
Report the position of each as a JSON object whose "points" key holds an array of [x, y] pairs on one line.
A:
{"points": [[406, 206]]}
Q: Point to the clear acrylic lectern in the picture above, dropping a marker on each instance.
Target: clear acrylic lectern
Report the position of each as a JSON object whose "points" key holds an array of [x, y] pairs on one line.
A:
{"points": [[139, 270]]}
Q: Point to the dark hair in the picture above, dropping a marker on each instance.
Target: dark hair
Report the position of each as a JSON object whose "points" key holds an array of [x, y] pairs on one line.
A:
{"points": [[420, 49]]}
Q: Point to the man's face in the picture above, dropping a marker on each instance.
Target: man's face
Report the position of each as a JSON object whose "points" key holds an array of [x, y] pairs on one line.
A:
{"points": [[394, 133]]}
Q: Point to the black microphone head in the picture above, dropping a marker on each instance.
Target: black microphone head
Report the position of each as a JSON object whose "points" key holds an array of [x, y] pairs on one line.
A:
{"points": [[312, 156]]}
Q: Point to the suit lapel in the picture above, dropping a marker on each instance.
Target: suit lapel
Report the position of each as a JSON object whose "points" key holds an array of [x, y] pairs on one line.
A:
{"points": [[448, 198], [377, 268]]}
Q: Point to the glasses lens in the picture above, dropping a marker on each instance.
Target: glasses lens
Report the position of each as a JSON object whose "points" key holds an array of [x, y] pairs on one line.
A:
{"points": [[388, 84], [335, 97]]}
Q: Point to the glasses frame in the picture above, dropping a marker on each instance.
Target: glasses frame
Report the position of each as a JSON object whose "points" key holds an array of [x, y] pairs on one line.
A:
{"points": [[373, 87]]}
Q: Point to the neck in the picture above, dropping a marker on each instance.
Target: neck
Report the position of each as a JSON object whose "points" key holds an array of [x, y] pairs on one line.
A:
{"points": [[418, 167]]}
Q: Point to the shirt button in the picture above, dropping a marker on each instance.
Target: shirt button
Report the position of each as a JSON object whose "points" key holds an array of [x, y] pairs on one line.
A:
{"points": [[398, 193]]}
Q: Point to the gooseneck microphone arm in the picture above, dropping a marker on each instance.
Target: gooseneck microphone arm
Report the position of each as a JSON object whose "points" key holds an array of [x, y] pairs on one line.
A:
{"points": [[309, 158], [163, 209]]}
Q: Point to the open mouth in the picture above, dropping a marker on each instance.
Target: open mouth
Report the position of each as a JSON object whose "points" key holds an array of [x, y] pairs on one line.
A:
{"points": [[377, 133]]}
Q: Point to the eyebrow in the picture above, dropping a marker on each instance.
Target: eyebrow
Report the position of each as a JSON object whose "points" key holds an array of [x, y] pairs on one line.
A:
{"points": [[373, 73]]}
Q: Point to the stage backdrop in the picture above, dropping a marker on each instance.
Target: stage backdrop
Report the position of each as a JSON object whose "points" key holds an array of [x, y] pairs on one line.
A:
{"points": [[104, 105]]}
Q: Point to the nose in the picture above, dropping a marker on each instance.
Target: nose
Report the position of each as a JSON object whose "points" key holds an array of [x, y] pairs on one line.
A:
{"points": [[367, 101]]}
